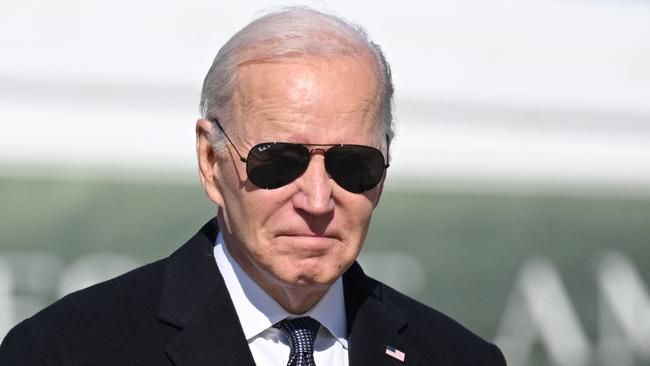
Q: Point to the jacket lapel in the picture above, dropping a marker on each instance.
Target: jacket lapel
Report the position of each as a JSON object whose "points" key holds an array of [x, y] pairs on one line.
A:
{"points": [[374, 324], [195, 301]]}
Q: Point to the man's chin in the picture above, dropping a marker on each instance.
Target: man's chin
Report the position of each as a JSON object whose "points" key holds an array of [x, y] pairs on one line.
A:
{"points": [[310, 279]]}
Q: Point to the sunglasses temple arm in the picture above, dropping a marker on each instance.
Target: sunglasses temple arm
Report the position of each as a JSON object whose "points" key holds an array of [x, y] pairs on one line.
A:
{"points": [[387, 152], [216, 121]]}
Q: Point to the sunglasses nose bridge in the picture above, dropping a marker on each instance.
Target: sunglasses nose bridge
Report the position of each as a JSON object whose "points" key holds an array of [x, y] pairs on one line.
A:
{"points": [[318, 151], [315, 151]]}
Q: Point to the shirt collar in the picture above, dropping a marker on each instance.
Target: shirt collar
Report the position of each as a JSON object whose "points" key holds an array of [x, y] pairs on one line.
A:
{"points": [[258, 311]]}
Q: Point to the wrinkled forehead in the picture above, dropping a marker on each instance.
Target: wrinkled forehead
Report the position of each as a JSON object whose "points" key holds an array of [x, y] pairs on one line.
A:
{"points": [[352, 72], [343, 88]]}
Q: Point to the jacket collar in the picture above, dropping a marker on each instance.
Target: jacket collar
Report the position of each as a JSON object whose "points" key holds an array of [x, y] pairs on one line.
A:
{"points": [[195, 301]]}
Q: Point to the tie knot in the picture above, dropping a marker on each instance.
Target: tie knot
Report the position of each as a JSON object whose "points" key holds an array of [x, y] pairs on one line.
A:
{"points": [[301, 333]]}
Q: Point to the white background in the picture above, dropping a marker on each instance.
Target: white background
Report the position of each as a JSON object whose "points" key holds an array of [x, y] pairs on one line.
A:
{"points": [[528, 93]]}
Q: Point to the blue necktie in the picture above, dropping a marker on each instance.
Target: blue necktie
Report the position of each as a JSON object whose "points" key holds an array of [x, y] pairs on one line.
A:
{"points": [[301, 333]]}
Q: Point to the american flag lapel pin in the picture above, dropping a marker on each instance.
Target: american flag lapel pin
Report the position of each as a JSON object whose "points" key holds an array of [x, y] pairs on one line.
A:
{"points": [[395, 353]]}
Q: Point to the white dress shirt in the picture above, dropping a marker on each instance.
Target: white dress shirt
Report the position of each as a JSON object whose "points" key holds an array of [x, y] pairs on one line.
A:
{"points": [[258, 311]]}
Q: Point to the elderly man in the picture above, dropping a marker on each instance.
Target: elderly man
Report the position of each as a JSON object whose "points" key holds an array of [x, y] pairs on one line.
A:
{"points": [[293, 148]]}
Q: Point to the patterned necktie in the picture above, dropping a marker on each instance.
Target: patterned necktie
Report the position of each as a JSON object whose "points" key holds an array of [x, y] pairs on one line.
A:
{"points": [[301, 333]]}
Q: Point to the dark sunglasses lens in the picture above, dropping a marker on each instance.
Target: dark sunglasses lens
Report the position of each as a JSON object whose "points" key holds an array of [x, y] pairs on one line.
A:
{"points": [[273, 165], [355, 168]]}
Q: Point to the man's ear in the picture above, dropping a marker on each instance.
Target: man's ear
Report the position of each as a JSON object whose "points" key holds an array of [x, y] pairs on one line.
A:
{"points": [[207, 159]]}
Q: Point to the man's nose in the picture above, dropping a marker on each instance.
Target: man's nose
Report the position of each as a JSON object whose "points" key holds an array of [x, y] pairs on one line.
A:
{"points": [[314, 194]]}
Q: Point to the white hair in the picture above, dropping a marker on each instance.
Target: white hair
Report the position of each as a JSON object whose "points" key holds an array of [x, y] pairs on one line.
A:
{"points": [[290, 32]]}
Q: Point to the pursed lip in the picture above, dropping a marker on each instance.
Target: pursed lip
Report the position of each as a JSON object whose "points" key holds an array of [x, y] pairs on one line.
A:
{"points": [[308, 235], [307, 244]]}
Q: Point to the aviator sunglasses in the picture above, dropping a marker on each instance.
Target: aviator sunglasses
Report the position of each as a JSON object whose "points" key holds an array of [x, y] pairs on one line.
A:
{"points": [[270, 165]]}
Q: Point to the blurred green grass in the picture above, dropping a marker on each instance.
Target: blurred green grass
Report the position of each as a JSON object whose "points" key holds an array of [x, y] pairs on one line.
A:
{"points": [[470, 245]]}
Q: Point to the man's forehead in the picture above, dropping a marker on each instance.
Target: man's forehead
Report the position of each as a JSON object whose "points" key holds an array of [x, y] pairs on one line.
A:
{"points": [[298, 59], [302, 75]]}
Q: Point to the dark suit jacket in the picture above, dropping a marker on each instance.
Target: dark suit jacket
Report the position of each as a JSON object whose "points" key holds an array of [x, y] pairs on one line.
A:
{"points": [[177, 311]]}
